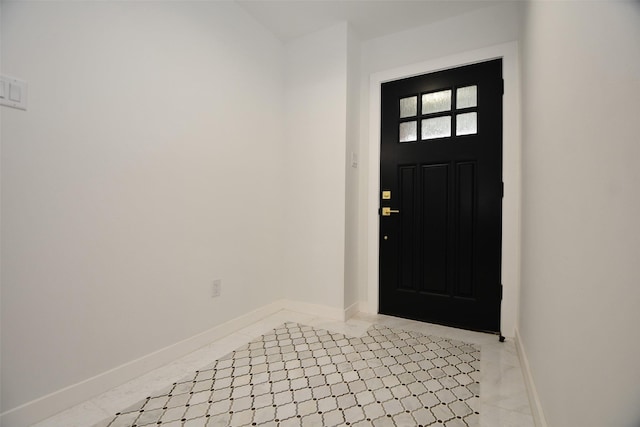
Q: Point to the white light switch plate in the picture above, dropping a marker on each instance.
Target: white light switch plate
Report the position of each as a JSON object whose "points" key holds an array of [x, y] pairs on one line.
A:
{"points": [[13, 92]]}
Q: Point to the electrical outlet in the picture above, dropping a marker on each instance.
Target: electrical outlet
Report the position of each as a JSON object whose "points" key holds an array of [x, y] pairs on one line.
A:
{"points": [[216, 288]]}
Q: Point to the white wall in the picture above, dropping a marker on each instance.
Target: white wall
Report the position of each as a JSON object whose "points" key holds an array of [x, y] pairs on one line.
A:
{"points": [[314, 203], [474, 30], [419, 50], [1, 110], [581, 235], [149, 163], [352, 225]]}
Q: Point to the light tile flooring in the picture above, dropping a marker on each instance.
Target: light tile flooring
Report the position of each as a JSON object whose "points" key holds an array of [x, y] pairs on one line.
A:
{"points": [[502, 400]]}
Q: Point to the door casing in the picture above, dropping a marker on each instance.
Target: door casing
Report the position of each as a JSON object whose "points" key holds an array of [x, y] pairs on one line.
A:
{"points": [[511, 171]]}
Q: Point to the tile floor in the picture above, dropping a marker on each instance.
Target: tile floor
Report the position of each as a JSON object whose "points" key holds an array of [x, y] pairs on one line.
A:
{"points": [[502, 395]]}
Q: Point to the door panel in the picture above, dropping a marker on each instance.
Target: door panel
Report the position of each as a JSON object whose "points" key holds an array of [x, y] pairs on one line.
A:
{"points": [[465, 226], [407, 259], [434, 235], [441, 160]]}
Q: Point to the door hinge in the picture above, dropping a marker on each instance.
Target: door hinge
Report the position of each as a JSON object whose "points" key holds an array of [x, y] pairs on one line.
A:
{"points": [[503, 86], [503, 189], [501, 291]]}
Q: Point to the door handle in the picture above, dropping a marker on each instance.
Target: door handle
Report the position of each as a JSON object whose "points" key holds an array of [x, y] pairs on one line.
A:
{"points": [[386, 211]]}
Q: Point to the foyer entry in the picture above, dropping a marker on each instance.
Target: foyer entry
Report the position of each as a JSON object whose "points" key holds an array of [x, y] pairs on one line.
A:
{"points": [[441, 197]]}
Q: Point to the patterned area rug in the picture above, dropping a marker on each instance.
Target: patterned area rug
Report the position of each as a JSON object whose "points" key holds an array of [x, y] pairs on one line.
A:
{"points": [[300, 376]]}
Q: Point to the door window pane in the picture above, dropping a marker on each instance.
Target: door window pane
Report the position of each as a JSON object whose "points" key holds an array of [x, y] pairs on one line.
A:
{"points": [[466, 124], [408, 107], [438, 127], [408, 131], [436, 102], [467, 97]]}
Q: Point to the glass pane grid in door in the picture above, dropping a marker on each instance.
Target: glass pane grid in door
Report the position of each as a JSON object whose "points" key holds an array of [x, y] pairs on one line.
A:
{"points": [[436, 102], [437, 110], [409, 131], [408, 107], [467, 97], [436, 127], [466, 124]]}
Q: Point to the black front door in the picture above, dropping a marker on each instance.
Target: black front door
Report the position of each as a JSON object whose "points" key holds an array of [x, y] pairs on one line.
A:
{"points": [[441, 185]]}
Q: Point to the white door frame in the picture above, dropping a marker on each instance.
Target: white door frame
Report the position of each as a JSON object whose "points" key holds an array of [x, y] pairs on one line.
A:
{"points": [[511, 170]]}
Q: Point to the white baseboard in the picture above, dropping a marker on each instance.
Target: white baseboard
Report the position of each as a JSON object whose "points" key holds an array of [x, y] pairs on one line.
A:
{"points": [[363, 307], [46, 406], [534, 400], [366, 307], [323, 310], [314, 309], [351, 311]]}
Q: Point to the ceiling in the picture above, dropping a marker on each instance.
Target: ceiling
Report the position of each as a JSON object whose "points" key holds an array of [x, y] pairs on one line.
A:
{"points": [[289, 19]]}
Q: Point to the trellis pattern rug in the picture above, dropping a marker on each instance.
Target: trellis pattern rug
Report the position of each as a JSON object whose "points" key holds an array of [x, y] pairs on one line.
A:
{"points": [[297, 375]]}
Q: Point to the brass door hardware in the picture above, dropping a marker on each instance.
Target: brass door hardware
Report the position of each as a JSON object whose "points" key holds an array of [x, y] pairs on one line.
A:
{"points": [[387, 211]]}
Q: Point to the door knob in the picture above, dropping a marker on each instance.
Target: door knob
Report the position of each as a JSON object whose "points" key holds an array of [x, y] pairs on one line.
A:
{"points": [[386, 211]]}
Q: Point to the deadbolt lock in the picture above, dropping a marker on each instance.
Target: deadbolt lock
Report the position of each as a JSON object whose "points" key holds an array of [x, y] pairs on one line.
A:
{"points": [[386, 195], [387, 211]]}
